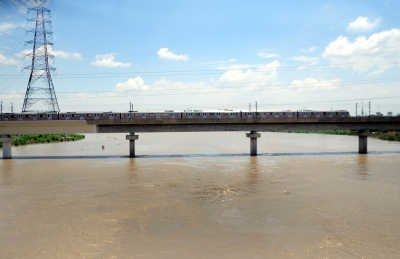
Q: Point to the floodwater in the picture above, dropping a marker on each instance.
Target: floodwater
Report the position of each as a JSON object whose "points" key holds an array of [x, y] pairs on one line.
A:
{"points": [[199, 195]]}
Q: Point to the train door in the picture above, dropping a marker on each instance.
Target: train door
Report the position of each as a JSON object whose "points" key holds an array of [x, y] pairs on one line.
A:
{"points": [[276, 115], [330, 114], [204, 115]]}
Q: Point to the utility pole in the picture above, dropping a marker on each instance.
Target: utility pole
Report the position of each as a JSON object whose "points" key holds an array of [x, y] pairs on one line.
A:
{"points": [[40, 68], [1, 107], [362, 109], [369, 107], [249, 107], [11, 108], [356, 109]]}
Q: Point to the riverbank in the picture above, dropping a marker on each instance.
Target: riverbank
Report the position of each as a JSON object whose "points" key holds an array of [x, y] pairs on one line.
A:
{"points": [[45, 138], [382, 135]]}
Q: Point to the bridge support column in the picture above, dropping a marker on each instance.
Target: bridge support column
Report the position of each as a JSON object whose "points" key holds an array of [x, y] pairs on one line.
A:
{"points": [[253, 135], [6, 140], [363, 141], [132, 137]]}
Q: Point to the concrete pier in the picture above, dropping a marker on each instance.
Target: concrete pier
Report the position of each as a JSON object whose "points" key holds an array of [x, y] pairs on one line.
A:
{"points": [[363, 141], [132, 137], [6, 140], [253, 135]]}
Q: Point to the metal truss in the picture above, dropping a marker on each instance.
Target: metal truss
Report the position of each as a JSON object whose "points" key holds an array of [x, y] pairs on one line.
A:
{"points": [[40, 85]]}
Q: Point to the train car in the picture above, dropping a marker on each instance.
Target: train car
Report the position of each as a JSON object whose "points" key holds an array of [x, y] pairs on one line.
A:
{"points": [[200, 114], [19, 116], [323, 114], [89, 115]]}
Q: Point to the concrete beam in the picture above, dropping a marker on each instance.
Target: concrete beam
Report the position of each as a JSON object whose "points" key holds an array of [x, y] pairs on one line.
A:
{"points": [[132, 137], [46, 127], [363, 141], [6, 140], [253, 135]]}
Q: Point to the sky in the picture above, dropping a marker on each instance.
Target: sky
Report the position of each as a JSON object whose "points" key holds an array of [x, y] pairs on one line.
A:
{"points": [[209, 55]]}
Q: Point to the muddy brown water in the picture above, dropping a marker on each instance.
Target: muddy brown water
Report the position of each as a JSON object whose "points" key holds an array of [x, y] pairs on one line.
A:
{"points": [[199, 195]]}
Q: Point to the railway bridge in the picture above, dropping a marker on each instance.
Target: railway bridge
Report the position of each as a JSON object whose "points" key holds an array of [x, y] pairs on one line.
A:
{"points": [[360, 125]]}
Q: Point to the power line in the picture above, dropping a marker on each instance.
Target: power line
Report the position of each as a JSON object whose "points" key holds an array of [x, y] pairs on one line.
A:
{"points": [[10, 8], [287, 87], [214, 71]]}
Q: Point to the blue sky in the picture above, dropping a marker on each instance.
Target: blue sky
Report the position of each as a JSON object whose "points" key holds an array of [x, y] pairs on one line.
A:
{"points": [[210, 54]]}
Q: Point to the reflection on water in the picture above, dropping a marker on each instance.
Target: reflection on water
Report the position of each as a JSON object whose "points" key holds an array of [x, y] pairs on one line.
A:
{"points": [[200, 195]]}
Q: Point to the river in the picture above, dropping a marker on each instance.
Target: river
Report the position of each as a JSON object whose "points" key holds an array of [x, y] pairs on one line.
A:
{"points": [[200, 195]]}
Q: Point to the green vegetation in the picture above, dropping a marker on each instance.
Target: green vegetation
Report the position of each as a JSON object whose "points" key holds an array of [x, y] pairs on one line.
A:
{"points": [[386, 135], [393, 135], [330, 132], [45, 138]]}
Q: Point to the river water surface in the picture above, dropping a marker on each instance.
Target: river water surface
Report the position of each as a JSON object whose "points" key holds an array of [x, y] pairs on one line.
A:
{"points": [[200, 195]]}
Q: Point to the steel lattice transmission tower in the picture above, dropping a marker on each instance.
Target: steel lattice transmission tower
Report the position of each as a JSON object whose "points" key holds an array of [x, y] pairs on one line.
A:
{"points": [[40, 75]]}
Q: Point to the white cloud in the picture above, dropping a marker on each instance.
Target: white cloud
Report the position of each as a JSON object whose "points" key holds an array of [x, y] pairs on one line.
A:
{"points": [[107, 60], [251, 78], [5, 26], [56, 53], [365, 53], [314, 84], [310, 49], [268, 55], [362, 24], [136, 83], [310, 61], [6, 61], [62, 54], [166, 54]]}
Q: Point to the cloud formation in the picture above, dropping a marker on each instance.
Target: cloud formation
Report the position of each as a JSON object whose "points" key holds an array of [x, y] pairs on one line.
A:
{"points": [[6, 61], [107, 60], [268, 55], [51, 51], [362, 24], [136, 83], [251, 78], [63, 54], [311, 60], [166, 54], [314, 84], [365, 53], [310, 49]]}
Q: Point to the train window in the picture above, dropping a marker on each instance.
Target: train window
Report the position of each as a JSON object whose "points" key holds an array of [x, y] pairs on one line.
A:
{"points": [[337, 113], [324, 113], [284, 113]]}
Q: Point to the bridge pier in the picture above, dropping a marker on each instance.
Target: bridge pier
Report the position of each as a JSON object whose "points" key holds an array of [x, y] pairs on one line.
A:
{"points": [[253, 135], [132, 137], [363, 141], [6, 140]]}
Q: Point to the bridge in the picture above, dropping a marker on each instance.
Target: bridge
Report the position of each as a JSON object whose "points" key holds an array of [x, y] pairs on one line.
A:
{"points": [[360, 125]]}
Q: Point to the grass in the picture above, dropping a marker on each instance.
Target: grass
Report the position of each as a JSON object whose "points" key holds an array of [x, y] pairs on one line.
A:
{"points": [[393, 135], [44, 138]]}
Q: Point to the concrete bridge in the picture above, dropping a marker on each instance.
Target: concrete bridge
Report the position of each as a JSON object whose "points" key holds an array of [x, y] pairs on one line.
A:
{"points": [[361, 126]]}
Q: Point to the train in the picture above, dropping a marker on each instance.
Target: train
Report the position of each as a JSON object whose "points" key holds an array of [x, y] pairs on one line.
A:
{"points": [[171, 114]]}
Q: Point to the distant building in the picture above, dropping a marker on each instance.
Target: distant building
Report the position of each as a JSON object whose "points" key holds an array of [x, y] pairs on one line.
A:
{"points": [[379, 114], [390, 114]]}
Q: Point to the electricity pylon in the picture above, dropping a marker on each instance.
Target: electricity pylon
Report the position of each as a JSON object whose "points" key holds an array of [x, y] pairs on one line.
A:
{"points": [[40, 68]]}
